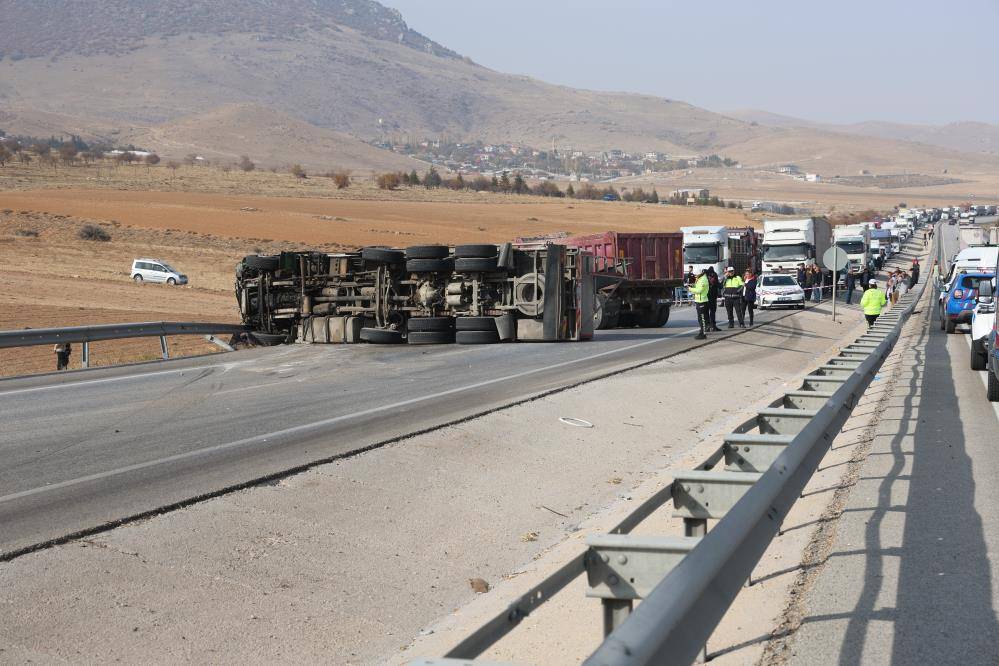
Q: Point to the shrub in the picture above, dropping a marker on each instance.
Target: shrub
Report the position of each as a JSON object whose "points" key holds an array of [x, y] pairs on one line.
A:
{"points": [[298, 172], [341, 179], [26, 233], [94, 233], [389, 181], [246, 164]]}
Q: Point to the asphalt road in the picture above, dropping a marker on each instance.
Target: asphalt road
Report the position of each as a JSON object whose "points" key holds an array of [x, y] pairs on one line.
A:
{"points": [[913, 576], [87, 449]]}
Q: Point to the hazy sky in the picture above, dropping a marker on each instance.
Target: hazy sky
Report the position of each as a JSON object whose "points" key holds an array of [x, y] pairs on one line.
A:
{"points": [[922, 61]]}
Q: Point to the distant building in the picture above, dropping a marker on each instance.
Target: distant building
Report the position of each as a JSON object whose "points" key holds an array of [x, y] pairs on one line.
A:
{"points": [[791, 169], [690, 194], [813, 177]]}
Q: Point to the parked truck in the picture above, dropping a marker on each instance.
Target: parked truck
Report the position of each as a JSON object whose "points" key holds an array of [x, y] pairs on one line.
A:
{"points": [[635, 275], [719, 247], [976, 235], [428, 294], [855, 240], [788, 243]]}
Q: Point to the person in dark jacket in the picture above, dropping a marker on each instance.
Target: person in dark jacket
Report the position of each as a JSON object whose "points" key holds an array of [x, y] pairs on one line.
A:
{"points": [[749, 293], [914, 274], [714, 288], [808, 283], [800, 275], [851, 279]]}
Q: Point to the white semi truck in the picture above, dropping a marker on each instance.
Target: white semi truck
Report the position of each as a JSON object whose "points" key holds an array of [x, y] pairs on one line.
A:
{"points": [[855, 240], [719, 247], [788, 243]]}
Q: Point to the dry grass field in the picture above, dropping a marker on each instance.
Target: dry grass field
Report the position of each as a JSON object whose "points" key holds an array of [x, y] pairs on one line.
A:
{"points": [[203, 220]]}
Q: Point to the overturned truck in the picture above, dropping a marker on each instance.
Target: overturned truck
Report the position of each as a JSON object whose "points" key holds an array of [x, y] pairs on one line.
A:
{"points": [[427, 294]]}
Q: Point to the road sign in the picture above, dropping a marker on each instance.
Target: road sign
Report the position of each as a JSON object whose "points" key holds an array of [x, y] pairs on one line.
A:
{"points": [[835, 258]]}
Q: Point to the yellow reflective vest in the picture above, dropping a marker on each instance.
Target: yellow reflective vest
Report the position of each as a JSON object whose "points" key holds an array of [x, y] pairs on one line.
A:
{"points": [[872, 301], [700, 289]]}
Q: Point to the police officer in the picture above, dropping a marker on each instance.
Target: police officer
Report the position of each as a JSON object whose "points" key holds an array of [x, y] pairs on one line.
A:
{"points": [[732, 293], [699, 290]]}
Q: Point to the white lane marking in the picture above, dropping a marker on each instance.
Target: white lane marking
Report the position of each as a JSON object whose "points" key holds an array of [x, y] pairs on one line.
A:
{"points": [[106, 380], [319, 424], [226, 367], [984, 376]]}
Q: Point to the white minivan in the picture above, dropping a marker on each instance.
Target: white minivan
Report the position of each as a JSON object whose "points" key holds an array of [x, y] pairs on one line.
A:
{"points": [[154, 270]]}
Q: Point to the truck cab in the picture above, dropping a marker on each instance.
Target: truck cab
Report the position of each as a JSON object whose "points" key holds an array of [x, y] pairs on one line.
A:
{"points": [[788, 243], [855, 240]]}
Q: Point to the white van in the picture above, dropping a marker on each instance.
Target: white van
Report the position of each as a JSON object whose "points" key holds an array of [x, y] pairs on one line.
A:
{"points": [[154, 270]]}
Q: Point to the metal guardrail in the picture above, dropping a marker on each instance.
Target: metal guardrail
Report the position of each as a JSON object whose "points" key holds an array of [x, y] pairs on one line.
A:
{"points": [[86, 334], [686, 584]]}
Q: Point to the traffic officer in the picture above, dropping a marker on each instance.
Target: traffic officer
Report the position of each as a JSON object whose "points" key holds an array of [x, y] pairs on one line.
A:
{"points": [[732, 293], [699, 290], [872, 302]]}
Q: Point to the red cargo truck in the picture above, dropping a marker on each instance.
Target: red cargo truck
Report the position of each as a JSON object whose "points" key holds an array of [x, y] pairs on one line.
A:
{"points": [[635, 274]]}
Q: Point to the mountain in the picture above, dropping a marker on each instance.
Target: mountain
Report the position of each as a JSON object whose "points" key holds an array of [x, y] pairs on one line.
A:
{"points": [[167, 71], [965, 137], [271, 137]]}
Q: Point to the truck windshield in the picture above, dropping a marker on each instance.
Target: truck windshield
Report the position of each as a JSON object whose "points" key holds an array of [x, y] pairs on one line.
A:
{"points": [[851, 247], [701, 254], [798, 252]]}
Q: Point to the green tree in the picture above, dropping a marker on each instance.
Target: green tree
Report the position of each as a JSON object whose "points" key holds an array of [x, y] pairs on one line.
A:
{"points": [[504, 182], [655, 196], [413, 179], [570, 191]]}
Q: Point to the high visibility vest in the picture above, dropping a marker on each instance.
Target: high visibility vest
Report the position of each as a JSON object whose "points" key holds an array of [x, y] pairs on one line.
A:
{"points": [[700, 289]]}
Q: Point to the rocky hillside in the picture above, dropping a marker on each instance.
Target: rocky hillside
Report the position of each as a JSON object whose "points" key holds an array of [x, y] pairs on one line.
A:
{"points": [[46, 28], [146, 68]]}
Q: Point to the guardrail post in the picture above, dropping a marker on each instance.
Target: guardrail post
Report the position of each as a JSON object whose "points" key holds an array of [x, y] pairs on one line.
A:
{"points": [[697, 527], [616, 611], [164, 348], [86, 354]]}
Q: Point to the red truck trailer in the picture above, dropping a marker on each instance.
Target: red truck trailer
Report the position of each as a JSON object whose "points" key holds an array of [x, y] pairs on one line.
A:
{"points": [[634, 274]]}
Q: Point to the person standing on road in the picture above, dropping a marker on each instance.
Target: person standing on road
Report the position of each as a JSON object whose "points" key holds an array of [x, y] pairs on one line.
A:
{"points": [[809, 282], [915, 273], [732, 292], [689, 278], [699, 291], [800, 275], [850, 286], [872, 302], [63, 350], [714, 287], [749, 293], [820, 283]]}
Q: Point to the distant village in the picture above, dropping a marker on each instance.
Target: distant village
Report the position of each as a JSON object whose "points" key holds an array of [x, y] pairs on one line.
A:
{"points": [[490, 159]]}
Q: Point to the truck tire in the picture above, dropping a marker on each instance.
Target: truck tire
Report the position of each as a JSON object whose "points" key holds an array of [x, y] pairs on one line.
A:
{"points": [[951, 326], [261, 262], [381, 255], [663, 315], [487, 324], [599, 315], [430, 337], [381, 336], [476, 265], [429, 265], [427, 252], [430, 324], [477, 337], [475, 251], [979, 357], [993, 391]]}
